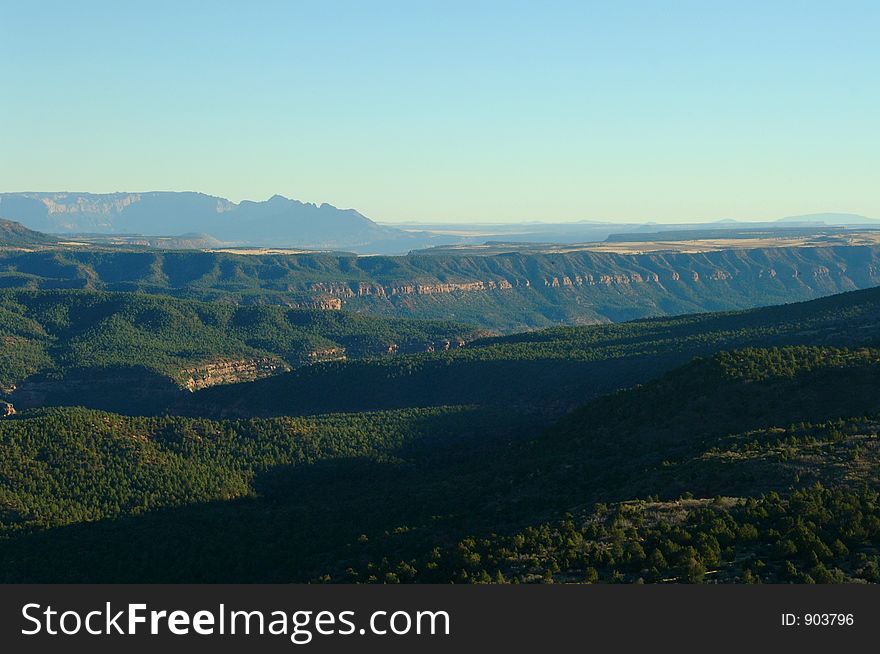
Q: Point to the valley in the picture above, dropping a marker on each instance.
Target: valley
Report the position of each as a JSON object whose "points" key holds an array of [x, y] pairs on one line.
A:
{"points": [[674, 449], [300, 293], [507, 291], [514, 414]]}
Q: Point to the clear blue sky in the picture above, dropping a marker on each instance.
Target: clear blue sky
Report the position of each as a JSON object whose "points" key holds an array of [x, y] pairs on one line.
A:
{"points": [[480, 111]]}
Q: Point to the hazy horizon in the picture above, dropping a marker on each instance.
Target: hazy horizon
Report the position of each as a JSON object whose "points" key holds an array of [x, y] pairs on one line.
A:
{"points": [[483, 112], [462, 223]]}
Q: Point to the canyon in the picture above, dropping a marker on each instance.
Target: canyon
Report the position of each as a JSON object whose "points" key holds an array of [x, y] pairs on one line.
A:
{"points": [[504, 292]]}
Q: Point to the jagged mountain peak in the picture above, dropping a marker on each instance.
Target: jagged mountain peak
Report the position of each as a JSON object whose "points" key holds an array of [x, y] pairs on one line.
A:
{"points": [[277, 221]]}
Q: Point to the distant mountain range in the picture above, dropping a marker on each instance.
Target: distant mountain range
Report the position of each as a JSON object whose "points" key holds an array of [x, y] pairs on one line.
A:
{"points": [[282, 222], [278, 221], [831, 219]]}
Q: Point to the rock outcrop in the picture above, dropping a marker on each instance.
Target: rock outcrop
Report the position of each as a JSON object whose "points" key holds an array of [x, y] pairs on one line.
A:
{"points": [[498, 292], [333, 295], [326, 354], [230, 371]]}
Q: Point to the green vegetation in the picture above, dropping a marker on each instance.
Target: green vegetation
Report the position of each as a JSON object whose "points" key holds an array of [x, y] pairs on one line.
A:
{"points": [[73, 465], [90, 495], [469, 494], [17, 235], [679, 493], [738, 447], [814, 536], [549, 371], [505, 293], [82, 334], [131, 353]]}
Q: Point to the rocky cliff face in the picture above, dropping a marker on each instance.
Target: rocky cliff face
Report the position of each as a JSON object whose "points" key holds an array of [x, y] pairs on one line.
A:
{"points": [[136, 386], [230, 371], [63, 203], [497, 292], [416, 347], [130, 389], [348, 291], [323, 301], [326, 354], [325, 292]]}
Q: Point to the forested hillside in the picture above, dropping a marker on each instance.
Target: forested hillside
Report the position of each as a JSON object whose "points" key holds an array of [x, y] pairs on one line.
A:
{"points": [[85, 347], [135, 353], [259, 499], [17, 235], [734, 447], [754, 465], [549, 371], [666, 482], [505, 292]]}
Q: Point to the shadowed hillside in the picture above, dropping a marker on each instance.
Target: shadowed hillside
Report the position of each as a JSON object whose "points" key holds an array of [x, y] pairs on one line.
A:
{"points": [[648, 484], [735, 447], [547, 371], [134, 352]]}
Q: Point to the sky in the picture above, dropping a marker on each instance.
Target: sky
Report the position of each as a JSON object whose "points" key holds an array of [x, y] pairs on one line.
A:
{"points": [[674, 111]]}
